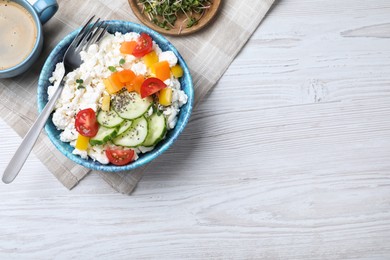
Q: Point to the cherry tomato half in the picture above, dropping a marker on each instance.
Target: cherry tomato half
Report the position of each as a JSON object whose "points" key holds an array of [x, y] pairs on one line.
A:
{"points": [[151, 86], [144, 45], [86, 123], [120, 157]]}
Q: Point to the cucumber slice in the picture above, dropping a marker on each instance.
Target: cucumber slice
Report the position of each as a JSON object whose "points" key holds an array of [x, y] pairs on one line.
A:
{"points": [[124, 126], [130, 105], [109, 118], [135, 135], [103, 135], [156, 129]]}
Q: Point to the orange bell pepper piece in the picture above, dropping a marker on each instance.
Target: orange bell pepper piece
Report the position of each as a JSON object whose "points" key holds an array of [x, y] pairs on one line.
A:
{"points": [[162, 70], [112, 83], [135, 84], [128, 47], [114, 78], [126, 76]]}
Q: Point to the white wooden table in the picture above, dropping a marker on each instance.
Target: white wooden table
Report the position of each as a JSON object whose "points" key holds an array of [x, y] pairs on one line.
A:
{"points": [[289, 157]]}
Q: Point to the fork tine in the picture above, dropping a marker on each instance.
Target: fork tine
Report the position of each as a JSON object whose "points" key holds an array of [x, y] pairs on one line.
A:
{"points": [[87, 35], [94, 33], [104, 29], [97, 35], [79, 36]]}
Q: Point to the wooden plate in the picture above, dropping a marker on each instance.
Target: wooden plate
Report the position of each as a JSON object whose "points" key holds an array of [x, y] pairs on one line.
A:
{"points": [[179, 28]]}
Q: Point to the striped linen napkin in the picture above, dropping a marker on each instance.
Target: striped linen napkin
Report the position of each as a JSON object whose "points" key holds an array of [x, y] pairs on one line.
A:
{"points": [[213, 48]]}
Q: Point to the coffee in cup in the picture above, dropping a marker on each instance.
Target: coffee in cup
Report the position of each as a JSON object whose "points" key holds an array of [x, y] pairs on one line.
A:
{"points": [[18, 34], [21, 33]]}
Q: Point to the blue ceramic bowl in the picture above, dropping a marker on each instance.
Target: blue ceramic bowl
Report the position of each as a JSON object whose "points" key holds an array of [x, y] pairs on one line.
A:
{"points": [[183, 117]]}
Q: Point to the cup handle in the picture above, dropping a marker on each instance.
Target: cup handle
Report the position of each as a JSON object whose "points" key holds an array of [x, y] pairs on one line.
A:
{"points": [[45, 9]]}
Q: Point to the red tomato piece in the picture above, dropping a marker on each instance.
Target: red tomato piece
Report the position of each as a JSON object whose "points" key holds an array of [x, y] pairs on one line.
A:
{"points": [[120, 157], [144, 45], [86, 123], [151, 86]]}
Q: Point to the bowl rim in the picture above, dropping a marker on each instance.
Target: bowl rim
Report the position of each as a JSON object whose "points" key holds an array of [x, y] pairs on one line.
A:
{"points": [[144, 158]]}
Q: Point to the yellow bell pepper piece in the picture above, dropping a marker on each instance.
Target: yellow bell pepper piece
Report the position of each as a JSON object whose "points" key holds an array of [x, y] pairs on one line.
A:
{"points": [[106, 102], [150, 59], [109, 87], [112, 84], [82, 142], [165, 97], [177, 71]]}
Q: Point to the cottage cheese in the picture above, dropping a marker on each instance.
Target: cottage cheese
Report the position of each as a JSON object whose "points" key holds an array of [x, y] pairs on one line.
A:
{"points": [[92, 71]]}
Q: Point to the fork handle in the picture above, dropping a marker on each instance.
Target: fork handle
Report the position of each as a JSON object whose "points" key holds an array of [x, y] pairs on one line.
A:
{"points": [[21, 154]]}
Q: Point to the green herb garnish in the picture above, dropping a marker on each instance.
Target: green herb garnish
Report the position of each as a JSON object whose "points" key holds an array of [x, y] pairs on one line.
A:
{"points": [[112, 68], [122, 61], [80, 83], [164, 13]]}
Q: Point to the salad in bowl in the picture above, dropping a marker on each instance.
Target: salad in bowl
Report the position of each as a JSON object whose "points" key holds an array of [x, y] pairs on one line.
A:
{"points": [[127, 102]]}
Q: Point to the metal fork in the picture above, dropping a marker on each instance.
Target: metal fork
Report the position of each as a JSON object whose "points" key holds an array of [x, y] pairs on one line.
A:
{"points": [[88, 35]]}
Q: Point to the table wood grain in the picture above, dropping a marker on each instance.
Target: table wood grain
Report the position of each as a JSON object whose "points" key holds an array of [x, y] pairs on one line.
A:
{"points": [[288, 158]]}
